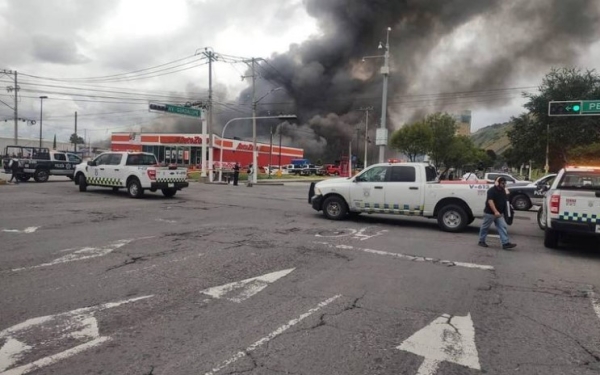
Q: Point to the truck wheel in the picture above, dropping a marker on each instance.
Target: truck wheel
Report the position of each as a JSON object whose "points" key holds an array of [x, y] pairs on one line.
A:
{"points": [[134, 188], [334, 208], [24, 177], [169, 192], [41, 175], [82, 183], [551, 238], [521, 202], [452, 218], [541, 219]]}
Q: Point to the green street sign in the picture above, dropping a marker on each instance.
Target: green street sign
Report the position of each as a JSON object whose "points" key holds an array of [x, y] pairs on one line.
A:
{"points": [[591, 107], [184, 111]]}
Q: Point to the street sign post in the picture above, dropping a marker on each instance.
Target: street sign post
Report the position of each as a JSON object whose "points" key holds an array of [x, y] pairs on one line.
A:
{"points": [[178, 110], [574, 108]]}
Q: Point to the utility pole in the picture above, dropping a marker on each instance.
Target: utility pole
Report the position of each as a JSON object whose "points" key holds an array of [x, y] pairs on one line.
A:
{"points": [[211, 57], [357, 143], [16, 89], [16, 110], [75, 143], [366, 110], [271, 152], [279, 129], [382, 138]]}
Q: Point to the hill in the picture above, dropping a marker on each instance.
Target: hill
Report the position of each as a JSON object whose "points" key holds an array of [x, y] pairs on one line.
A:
{"points": [[493, 137]]}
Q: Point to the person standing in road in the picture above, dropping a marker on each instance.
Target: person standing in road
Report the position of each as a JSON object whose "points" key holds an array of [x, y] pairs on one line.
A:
{"points": [[250, 173], [236, 174], [496, 203], [13, 164]]}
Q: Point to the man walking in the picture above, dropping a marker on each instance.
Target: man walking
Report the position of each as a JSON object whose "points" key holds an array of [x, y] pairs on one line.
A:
{"points": [[13, 164], [496, 204]]}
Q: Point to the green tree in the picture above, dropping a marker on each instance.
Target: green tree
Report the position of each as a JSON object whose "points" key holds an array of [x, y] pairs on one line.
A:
{"points": [[54, 143], [443, 129], [412, 140], [76, 140], [530, 133]]}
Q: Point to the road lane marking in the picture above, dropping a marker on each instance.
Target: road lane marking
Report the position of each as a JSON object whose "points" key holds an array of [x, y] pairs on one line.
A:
{"points": [[77, 327], [355, 234], [84, 253], [595, 301], [26, 230], [446, 339], [271, 336], [245, 288], [413, 258]]}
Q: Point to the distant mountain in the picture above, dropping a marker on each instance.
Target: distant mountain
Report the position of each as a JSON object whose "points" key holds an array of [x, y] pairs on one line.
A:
{"points": [[493, 137]]}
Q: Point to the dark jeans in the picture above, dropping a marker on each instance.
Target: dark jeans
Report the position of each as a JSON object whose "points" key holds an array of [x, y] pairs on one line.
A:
{"points": [[236, 176], [14, 175]]}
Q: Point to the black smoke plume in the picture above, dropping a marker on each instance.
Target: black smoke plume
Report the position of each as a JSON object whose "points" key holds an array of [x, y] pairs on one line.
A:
{"points": [[470, 48]]}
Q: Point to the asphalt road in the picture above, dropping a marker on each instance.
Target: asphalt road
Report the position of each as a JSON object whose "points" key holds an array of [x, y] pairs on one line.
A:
{"points": [[230, 280]]}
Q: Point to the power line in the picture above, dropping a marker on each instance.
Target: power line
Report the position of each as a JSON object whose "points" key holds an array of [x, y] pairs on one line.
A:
{"points": [[114, 75]]}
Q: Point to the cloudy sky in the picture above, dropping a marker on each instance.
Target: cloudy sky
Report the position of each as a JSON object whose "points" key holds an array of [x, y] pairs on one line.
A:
{"points": [[107, 59]]}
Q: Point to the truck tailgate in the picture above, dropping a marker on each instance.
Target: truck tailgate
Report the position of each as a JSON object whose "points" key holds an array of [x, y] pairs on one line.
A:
{"points": [[580, 206], [171, 175]]}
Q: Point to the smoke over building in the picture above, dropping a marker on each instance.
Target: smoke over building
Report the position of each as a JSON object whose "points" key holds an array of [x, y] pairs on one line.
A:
{"points": [[446, 55]]}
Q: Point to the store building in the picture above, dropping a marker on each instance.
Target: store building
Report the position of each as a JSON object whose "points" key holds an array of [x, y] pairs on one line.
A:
{"points": [[186, 149]]}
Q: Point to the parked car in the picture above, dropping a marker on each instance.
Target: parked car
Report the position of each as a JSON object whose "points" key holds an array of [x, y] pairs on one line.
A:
{"points": [[523, 197]]}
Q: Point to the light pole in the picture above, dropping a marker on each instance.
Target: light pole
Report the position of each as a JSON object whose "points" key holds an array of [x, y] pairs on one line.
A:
{"points": [[381, 137], [281, 117], [41, 114], [254, 103]]}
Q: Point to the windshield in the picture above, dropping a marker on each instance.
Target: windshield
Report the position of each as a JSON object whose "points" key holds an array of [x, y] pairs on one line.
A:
{"points": [[585, 180]]}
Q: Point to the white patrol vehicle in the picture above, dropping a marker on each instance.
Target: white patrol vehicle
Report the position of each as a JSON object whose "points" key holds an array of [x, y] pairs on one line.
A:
{"points": [[401, 189], [571, 206], [134, 171]]}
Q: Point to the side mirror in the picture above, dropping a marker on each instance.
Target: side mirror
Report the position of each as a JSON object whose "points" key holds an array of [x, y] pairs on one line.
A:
{"points": [[91, 163]]}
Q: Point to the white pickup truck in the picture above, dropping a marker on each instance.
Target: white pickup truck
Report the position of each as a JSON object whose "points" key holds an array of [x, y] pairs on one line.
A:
{"points": [[401, 189], [571, 205], [134, 171]]}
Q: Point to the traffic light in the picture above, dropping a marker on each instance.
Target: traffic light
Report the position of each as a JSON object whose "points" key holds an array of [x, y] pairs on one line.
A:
{"points": [[158, 107], [567, 108]]}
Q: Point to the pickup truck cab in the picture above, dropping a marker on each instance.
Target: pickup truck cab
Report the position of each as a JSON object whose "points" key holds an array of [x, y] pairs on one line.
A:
{"points": [[41, 163], [571, 205], [134, 171], [401, 189]]}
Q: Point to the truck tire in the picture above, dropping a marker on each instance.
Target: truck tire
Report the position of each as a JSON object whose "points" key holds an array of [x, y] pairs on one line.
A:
{"points": [[452, 218], [41, 175], [541, 218], [81, 182], [169, 192], [24, 177], [551, 238], [334, 208], [134, 188], [521, 202]]}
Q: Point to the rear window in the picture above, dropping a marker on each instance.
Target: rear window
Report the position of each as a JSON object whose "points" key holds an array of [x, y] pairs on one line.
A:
{"points": [[584, 180], [141, 159]]}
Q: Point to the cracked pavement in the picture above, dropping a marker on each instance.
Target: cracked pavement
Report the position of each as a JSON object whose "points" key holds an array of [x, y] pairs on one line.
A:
{"points": [[533, 311]]}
